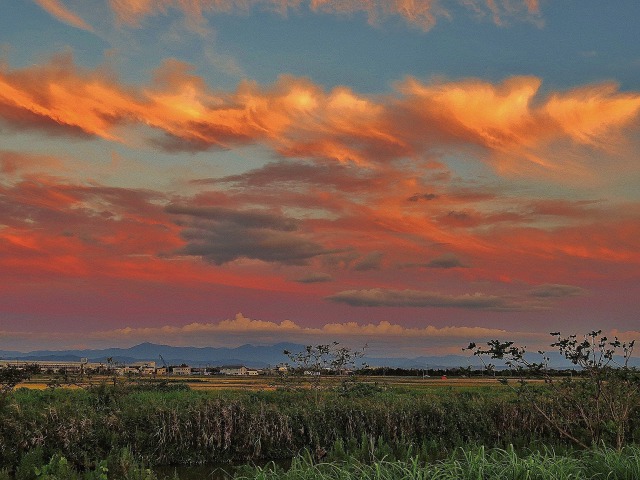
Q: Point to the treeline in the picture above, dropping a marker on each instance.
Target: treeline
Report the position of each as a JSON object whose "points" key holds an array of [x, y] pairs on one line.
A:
{"points": [[458, 372]]}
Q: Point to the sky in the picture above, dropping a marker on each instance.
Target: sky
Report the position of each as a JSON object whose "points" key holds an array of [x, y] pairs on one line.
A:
{"points": [[410, 174]]}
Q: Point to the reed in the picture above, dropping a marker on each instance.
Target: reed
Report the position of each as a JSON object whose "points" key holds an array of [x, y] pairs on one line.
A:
{"points": [[193, 427], [469, 464]]}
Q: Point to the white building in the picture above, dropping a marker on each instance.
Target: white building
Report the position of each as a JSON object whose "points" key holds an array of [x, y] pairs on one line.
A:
{"points": [[182, 370], [234, 370]]}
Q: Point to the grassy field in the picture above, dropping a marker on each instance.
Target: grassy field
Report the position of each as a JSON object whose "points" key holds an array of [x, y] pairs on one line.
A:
{"points": [[388, 425]]}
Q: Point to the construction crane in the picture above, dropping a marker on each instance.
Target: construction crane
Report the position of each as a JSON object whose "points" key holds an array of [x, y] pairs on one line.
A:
{"points": [[166, 367]]}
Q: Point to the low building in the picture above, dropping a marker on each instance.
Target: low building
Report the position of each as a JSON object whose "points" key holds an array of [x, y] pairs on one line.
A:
{"points": [[129, 370], [144, 367], [54, 366], [233, 370], [199, 371], [181, 370]]}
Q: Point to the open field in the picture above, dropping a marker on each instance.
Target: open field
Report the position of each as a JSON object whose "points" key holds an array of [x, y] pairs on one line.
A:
{"points": [[266, 383]]}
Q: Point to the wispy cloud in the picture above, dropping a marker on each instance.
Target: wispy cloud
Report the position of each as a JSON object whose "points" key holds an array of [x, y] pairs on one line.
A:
{"points": [[423, 14], [379, 297], [557, 291], [58, 10], [537, 298]]}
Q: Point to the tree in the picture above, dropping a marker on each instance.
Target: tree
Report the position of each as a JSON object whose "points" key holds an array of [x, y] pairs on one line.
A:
{"points": [[10, 376], [596, 406], [317, 360]]}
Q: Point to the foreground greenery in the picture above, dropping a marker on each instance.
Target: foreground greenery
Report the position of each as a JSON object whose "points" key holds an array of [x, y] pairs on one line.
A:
{"points": [[470, 463], [162, 426], [342, 428], [191, 427], [122, 465]]}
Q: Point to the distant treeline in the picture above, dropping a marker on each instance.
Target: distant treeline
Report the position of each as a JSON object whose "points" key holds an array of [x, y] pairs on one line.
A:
{"points": [[456, 372]]}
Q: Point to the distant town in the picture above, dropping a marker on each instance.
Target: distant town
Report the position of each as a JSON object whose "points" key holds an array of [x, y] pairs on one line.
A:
{"points": [[148, 368]]}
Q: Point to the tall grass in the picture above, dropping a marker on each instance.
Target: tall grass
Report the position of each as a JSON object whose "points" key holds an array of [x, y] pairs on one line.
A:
{"points": [[165, 427], [469, 464], [203, 427]]}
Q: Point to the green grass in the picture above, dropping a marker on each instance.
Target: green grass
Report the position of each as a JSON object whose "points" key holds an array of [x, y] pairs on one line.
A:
{"points": [[469, 464], [463, 464], [163, 426]]}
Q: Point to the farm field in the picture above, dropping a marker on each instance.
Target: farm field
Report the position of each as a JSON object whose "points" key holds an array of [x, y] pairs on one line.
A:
{"points": [[262, 383]]}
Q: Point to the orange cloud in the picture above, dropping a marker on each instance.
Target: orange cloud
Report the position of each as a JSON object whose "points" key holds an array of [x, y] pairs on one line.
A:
{"points": [[518, 131], [522, 131], [589, 114], [62, 13]]}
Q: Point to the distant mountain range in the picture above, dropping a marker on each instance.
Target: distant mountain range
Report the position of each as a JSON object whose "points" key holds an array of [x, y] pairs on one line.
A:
{"points": [[249, 355], [254, 356]]}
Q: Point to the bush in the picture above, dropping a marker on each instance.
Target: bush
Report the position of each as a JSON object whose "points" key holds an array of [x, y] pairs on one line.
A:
{"points": [[596, 407]]}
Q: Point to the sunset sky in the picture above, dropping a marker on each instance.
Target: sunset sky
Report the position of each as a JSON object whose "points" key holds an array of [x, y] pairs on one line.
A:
{"points": [[414, 174]]}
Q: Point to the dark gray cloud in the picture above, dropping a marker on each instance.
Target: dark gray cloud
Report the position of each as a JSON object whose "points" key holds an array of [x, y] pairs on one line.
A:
{"points": [[315, 277], [220, 235], [447, 260], [422, 196], [551, 290], [247, 219], [329, 175], [372, 261], [379, 297]]}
